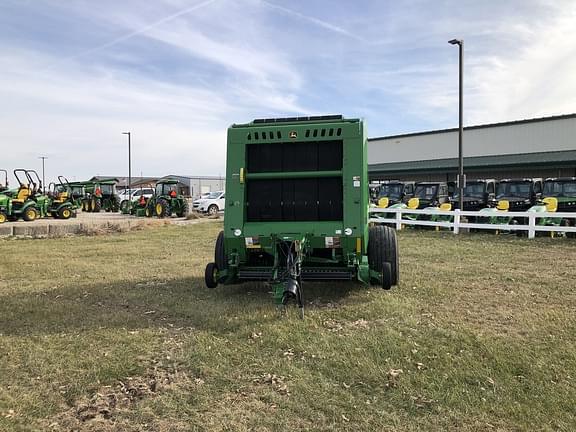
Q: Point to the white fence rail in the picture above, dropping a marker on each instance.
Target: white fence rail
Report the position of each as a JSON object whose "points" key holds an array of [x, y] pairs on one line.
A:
{"points": [[459, 220]]}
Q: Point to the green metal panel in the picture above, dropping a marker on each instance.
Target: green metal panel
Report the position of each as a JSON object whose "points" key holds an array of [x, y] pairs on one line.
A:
{"points": [[351, 132]]}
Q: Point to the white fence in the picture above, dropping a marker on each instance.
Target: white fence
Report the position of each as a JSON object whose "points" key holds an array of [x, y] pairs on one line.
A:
{"points": [[458, 223]]}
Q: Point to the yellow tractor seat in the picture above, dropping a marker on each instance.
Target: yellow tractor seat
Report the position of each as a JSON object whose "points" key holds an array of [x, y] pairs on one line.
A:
{"points": [[413, 203], [62, 196], [551, 204], [383, 202], [23, 194], [503, 205], [445, 206]]}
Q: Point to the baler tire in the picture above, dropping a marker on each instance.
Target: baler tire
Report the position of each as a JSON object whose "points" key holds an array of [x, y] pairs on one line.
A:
{"points": [[219, 253], [209, 278], [383, 247], [387, 281]]}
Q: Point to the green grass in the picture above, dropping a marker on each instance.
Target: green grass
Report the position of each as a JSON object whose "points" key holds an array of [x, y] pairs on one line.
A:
{"points": [[121, 326]]}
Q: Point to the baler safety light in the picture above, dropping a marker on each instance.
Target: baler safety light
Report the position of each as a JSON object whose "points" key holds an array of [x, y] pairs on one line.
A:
{"points": [[348, 231], [237, 232]]}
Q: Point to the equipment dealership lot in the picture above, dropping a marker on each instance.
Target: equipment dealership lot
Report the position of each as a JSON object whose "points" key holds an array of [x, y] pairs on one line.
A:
{"points": [[118, 332]]}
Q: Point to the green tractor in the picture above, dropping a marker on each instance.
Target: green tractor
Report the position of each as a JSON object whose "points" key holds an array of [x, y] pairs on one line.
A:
{"points": [[62, 204], [26, 202], [77, 192], [297, 208], [137, 207], [101, 195], [166, 200]]}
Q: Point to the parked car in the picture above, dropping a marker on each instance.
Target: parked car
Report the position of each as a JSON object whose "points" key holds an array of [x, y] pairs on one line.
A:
{"points": [[211, 204]]}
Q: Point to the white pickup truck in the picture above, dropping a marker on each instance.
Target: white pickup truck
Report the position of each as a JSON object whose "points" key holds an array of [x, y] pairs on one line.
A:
{"points": [[211, 203]]}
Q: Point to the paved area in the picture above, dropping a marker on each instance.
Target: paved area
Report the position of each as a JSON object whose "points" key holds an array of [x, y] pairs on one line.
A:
{"points": [[83, 221]]}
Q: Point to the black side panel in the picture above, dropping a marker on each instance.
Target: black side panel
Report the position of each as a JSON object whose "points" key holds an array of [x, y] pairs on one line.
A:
{"points": [[306, 193], [263, 202], [294, 200], [263, 158], [294, 156], [330, 199]]}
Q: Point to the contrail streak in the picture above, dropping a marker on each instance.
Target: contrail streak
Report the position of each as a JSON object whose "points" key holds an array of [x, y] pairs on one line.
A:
{"points": [[316, 21], [135, 32]]}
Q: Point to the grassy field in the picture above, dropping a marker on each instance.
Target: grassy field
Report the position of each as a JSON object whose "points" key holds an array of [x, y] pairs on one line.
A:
{"points": [[118, 332]]}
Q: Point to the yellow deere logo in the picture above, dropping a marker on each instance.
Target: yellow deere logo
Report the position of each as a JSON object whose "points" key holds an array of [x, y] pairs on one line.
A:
{"points": [[293, 134]]}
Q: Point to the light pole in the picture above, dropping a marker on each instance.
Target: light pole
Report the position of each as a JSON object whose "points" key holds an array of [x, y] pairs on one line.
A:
{"points": [[461, 178], [43, 178], [129, 169]]}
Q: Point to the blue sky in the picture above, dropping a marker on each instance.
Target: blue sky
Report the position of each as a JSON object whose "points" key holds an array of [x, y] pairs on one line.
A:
{"points": [[74, 74]]}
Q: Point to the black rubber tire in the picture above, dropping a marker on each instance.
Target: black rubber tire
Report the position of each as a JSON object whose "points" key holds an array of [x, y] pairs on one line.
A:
{"points": [[162, 208], [65, 213], [3, 217], [115, 204], [386, 276], [219, 253], [96, 205], [149, 212], [28, 216], [124, 206], [209, 278], [213, 210], [183, 209], [383, 247]]}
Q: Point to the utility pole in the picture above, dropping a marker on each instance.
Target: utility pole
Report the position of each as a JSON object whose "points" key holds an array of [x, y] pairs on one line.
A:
{"points": [[129, 169], [43, 177], [461, 178]]}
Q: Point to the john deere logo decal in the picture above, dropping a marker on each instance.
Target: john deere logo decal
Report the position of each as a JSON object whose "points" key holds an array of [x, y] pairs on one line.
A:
{"points": [[293, 134]]}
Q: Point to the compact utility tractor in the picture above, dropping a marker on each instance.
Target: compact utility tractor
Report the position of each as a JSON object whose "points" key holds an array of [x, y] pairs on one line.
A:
{"points": [[137, 207], [166, 200], [101, 195], [62, 204], [26, 202], [297, 208]]}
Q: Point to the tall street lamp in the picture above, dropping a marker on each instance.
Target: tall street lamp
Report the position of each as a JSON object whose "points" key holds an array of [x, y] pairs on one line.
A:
{"points": [[129, 169], [43, 178], [461, 178]]}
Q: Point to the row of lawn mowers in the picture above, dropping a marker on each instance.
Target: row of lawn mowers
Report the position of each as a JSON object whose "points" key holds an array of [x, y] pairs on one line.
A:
{"points": [[165, 202], [29, 201], [493, 199]]}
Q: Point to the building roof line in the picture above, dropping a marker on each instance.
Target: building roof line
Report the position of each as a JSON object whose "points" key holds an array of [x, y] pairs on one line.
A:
{"points": [[482, 126], [556, 158]]}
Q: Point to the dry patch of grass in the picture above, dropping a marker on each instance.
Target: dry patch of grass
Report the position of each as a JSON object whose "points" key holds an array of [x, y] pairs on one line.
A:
{"points": [[117, 332]]}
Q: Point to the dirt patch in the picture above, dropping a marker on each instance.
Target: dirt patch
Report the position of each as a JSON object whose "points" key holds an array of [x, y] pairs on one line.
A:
{"points": [[106, 408]]}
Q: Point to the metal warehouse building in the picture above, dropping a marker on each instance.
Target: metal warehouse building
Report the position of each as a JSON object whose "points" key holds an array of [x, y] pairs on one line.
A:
{"points": [[541, 147]]}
